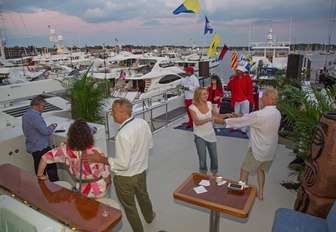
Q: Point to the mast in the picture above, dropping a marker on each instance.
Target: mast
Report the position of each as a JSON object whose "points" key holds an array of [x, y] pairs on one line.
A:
{"points": [[2, 48], [290, 29], [249, 38], [2, 39], [331, 25]]}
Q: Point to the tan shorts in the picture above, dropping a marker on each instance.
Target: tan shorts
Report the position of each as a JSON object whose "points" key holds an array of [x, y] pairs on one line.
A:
{"points": [[250, 164]]}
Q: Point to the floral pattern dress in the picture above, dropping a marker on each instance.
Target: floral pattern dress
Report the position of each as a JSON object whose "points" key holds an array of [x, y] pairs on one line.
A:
{"points": [[90, 171]]}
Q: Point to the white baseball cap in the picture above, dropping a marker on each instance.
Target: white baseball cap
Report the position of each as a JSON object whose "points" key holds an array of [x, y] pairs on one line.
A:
{"points": [[241, 68]]}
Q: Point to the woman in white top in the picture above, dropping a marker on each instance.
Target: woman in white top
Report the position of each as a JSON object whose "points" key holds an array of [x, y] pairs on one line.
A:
{"points": [[203, 115]]}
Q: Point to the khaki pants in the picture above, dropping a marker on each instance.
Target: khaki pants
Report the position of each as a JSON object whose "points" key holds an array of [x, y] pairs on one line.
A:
{"points": [[126, 188]]}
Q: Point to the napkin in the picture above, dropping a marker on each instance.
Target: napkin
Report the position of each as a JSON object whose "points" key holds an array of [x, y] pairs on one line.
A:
{"points": [[205, 183], [200, 189]]}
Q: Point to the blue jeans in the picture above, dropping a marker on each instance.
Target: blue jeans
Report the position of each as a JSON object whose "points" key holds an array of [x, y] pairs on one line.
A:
{"points": [[201, 146]]}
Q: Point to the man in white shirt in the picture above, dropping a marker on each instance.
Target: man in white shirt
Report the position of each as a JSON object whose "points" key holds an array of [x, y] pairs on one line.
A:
{"points": [[189, 84], [132, 143], [264, 125]]}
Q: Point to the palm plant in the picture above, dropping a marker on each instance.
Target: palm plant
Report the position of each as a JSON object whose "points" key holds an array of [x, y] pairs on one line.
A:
{"points": [[302, 109], [88, 97]]}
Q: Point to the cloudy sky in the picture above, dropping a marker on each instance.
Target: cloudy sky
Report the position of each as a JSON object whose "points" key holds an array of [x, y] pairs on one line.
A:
{"points": [[151, 22]]}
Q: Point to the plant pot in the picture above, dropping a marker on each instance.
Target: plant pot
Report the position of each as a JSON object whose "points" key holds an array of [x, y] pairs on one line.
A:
{"points": [[317, 191]]}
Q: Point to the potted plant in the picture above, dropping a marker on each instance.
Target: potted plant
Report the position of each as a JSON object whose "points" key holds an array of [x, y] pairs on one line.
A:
{"points": [[302, 109], [88, 97]]}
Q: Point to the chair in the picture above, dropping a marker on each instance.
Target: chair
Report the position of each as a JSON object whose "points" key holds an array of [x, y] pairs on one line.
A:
{"points": [[288, 220], [104, 200]]}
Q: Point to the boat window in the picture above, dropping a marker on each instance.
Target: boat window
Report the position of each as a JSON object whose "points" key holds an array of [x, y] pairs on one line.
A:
{"points": [[74, 72], [19, 111], [146, 62], [130, 62], [166, 65], [168, 79]]}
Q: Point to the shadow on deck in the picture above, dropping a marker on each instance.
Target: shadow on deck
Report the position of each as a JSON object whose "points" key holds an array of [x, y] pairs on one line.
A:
{"points": [[165, 119]]}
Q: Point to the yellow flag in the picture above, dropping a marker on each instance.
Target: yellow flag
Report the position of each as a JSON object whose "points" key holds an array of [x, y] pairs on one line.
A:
{"points": [[214, 45], [192, 5]]}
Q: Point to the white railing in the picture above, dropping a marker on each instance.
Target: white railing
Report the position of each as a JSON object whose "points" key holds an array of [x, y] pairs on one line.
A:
{"points": [[146, 106]]}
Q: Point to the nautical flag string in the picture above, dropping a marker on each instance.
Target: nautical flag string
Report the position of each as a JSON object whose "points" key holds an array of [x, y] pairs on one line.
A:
{"points": [[207, 27], [234, 60], [188, 6], [213, 46], [246, 61], [223, 52]]}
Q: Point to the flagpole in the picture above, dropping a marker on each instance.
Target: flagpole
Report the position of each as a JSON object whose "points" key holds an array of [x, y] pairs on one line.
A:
{"points": [[290, 30], [249, 38]]}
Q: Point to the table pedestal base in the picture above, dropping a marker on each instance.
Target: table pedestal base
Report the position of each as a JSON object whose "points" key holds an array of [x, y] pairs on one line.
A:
{"points": [[214, 221]]}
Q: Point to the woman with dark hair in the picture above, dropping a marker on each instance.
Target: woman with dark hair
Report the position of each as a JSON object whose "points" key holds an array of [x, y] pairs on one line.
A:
{"points": [[215, 95], [95, 178]]}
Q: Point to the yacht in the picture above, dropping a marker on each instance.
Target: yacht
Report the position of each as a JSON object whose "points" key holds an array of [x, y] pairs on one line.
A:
{"points": [[175, 150], [152, 85], [14, 72], [194, 60], [148, 76], [71, 59], [270, 59], [270, 56], [111, 67]]}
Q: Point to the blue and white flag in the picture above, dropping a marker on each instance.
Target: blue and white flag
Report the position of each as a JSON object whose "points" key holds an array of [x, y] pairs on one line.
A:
{"points": [[245, 61], [207, 26]]}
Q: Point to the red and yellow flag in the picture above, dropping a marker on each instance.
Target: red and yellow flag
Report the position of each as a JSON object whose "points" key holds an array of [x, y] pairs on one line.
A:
{"points": [[234, 60]]}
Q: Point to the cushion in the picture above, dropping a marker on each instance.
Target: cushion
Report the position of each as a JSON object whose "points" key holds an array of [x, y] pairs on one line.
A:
{"points": [[287, 220], [331, 218]]}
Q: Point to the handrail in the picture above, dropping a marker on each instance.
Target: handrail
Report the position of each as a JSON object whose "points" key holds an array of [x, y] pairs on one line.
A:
{"points": [[147, 107]]}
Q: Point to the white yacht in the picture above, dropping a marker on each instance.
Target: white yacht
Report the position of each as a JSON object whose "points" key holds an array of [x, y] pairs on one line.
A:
{"points": [[148, 76], [172, 160], [151, 84], [269, 56], [194, 60], [271, 59], [111, 67]]}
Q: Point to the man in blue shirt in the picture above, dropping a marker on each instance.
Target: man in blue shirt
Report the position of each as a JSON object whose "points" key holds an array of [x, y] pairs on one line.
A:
{"points": [[37, 135]]}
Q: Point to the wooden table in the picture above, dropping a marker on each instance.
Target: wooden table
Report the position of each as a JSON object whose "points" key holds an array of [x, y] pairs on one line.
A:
{"points": [[219, 199], [73, 209]]}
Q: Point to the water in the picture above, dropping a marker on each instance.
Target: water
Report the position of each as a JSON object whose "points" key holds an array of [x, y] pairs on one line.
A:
{"points": [[224, 71]]}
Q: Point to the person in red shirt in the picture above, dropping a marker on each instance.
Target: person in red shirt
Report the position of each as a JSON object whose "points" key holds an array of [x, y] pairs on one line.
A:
{"points": [[215, 94], [241, 88]]}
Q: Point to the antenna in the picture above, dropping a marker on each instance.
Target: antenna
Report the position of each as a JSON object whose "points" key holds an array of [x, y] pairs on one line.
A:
{"points": [[290, 30], [2, 39], [249, 37]]}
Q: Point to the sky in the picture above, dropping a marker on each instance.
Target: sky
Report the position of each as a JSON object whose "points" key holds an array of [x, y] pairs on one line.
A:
{"points": [[151, 22]]}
